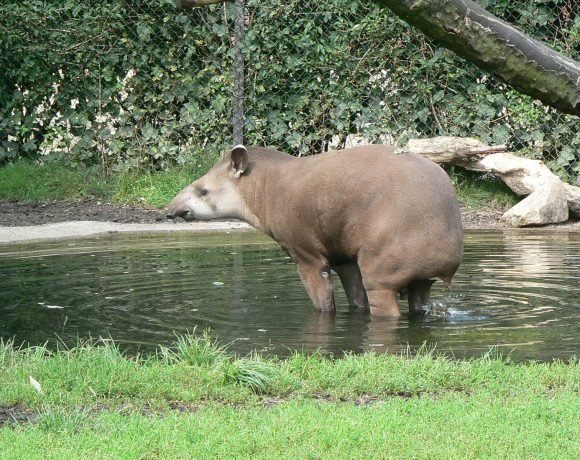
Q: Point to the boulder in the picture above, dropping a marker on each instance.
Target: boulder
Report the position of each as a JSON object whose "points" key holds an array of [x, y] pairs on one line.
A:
{"points": [[544, 206], [546, 201], [573, 197]]}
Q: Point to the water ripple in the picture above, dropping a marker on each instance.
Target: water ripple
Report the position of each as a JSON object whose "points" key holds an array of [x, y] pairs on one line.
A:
{"points": [[517, 291]]}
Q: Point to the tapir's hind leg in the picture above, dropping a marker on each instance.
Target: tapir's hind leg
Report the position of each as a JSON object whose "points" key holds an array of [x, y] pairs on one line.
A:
{"points": [[419, 295], [382, 282], [383, 302], [316, 278], [351, 280]]}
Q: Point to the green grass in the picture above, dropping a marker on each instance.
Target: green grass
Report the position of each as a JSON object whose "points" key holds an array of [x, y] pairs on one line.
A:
{"points": [[454, 427], [476, 190], [29, 182], [154, 189], [95, 401]]}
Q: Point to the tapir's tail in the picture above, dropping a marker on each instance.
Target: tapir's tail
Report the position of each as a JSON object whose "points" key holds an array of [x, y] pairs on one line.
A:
{"points": [[448, 280]]}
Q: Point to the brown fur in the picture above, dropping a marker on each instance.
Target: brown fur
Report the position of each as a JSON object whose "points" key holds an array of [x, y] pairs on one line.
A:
{"points": [[383, 222]]}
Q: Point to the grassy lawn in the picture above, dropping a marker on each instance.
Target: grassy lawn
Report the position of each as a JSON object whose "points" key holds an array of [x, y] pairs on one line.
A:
{"points": [[196, 400], [30, 182]]}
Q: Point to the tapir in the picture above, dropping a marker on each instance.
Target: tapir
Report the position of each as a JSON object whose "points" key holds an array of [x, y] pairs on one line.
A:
{"points": [[386, 224]]}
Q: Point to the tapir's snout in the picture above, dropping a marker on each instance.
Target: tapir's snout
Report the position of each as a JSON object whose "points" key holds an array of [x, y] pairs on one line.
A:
{"points": [[177, 209], [174, 213]]}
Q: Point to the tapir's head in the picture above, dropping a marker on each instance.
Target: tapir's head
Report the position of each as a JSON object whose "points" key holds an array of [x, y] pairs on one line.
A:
{"points": [[215, 195]]}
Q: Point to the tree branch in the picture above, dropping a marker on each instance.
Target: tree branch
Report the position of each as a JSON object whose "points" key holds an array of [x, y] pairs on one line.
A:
{"points": [[497, 47]]}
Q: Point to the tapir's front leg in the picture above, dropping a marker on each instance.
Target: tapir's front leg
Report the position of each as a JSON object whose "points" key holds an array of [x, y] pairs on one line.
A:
{"points": [[351, 280], [316, 278]]}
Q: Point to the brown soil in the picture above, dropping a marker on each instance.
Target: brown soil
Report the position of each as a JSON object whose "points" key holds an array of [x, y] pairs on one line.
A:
{"points": [[482, 218], [17, 413], [13, 214]]}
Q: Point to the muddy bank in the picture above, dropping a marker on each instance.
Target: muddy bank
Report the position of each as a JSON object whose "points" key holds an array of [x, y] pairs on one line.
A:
{"points": [[15, 214], [41, 221]]}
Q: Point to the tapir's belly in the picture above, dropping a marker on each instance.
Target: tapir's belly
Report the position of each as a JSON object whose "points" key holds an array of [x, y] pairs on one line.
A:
{"points": [[409, 233]]}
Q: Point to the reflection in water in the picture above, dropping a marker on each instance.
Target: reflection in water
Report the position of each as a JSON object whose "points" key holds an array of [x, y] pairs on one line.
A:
{"points": [[516, 290]]}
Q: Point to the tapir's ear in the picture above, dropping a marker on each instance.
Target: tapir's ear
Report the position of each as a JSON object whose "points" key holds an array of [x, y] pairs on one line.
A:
{"points": [[239, 163]]}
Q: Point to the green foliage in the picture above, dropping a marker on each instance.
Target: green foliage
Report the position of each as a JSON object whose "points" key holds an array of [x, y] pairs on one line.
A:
{"points": [[114, 81], [352, 69], [142, 84]]}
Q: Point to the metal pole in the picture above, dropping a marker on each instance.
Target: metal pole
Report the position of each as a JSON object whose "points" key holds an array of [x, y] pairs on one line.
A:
{"points": [[238, 110]]}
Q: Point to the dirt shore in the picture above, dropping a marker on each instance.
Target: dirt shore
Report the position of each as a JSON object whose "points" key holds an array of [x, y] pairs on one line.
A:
{"points": [[40, 221], [16, 214]]}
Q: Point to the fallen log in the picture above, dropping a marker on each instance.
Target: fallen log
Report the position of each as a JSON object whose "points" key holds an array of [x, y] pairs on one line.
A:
{"points": [[548, 199]]}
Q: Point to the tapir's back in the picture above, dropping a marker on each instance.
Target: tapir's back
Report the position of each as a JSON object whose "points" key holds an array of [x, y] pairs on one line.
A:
{"points": [[364, 179]]}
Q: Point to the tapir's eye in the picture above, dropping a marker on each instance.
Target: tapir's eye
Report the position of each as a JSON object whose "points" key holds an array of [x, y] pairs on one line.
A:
{"points": [[203, 192]]}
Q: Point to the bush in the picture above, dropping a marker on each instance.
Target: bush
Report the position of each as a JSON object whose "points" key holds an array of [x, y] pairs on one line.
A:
{"points": [[140, 84], [110, 82]]}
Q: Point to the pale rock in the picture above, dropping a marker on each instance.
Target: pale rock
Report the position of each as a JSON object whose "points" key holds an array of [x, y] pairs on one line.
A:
{"points": [[547, 205], [573, 197]]}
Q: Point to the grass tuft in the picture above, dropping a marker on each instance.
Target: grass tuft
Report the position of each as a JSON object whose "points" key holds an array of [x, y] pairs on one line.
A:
{"points": [[257, 375], [476, 190], [196, 350], [7, 352], [54, 419]]}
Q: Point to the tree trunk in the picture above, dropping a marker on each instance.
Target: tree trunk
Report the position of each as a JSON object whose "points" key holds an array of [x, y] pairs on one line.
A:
{"points": [[497, 47]]}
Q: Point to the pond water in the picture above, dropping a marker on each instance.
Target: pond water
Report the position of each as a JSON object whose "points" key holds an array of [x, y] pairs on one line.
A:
{"points": [[518, 291]]}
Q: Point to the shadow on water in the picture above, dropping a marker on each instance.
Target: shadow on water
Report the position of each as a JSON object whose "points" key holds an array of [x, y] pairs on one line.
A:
{"points": [[515, 290]]}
